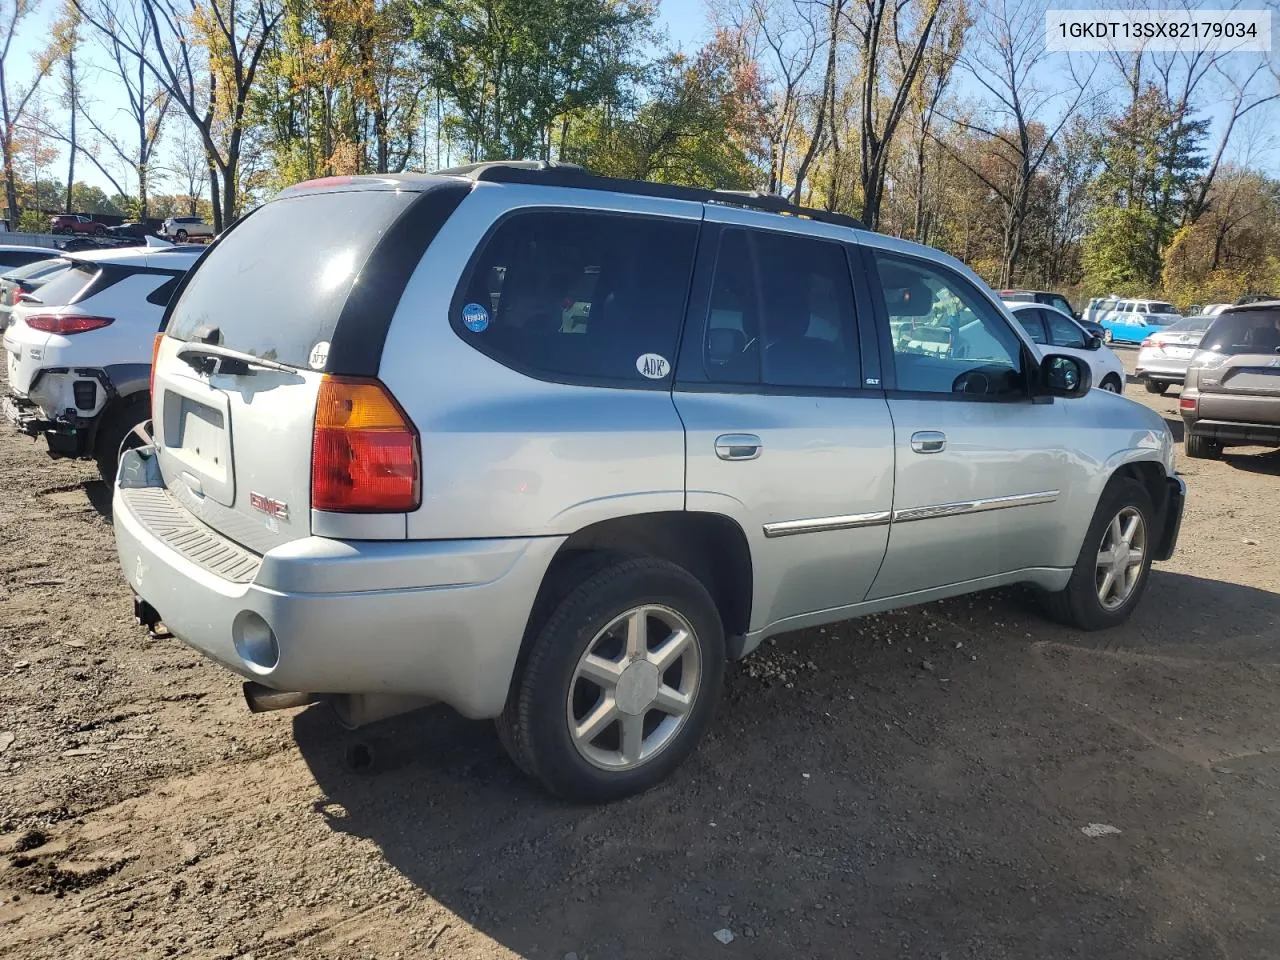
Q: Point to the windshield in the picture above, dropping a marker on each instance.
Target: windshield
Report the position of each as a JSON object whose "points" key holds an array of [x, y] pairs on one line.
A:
{"points": [[1248, 331]]}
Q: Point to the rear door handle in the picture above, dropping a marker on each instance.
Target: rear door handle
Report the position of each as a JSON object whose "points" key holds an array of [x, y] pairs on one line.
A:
{"points": [[928, 441], [738, 446]]}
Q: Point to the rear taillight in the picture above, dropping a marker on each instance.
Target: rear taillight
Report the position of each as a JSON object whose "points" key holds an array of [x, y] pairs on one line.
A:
{"points": [[155, 355], [1149, 342], [66, 324], [364, 451], [1186, 403]]}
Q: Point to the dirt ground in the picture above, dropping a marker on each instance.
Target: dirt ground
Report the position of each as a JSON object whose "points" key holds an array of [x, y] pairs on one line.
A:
{"points": [[921, 784]]}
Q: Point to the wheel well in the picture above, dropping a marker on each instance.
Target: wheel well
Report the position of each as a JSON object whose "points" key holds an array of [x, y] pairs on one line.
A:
{"points": [[1152, 476], [710, 546], [109, 412], [1113, 377]]}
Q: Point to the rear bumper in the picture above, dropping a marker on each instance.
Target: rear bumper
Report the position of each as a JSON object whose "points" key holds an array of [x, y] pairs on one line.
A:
{"points": [[1171, 524], [1162, 371], [436, 619], [1225, 431]]}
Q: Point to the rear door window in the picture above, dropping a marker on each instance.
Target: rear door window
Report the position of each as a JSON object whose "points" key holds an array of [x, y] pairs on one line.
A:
{"points": [[1062, 331], [276, 286], [579, 296], [67, 286], [1031, 321]]}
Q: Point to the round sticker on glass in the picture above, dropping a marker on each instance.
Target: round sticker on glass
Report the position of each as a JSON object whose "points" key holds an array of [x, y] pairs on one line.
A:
{"points": [[475, 318], [319, 355], [652, 366]]}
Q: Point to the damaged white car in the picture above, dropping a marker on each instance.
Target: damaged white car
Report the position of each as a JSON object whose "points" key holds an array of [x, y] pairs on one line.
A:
{"points": [[79, 350]]}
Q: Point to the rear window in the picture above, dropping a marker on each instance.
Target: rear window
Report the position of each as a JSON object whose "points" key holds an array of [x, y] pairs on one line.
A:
{"points": [[275, 287], [67, 286], [1191, 325], [580, 296], [1250, 331]]}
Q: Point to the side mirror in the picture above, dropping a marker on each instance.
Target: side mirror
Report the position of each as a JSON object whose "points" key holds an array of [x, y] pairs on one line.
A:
{"points": [[1093, 343], [1063, 376]]}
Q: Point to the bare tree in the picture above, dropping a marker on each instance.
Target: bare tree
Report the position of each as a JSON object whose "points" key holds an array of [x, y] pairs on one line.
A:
{"points": [[782, 36], [897, 31], [935, 76], [826, 101], [14, 100], [64, 47], [206, 56], [1004, 59], [190, 166]]}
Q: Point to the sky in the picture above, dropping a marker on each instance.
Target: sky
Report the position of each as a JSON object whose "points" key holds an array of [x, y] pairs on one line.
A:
{"points": [[686, 24]]}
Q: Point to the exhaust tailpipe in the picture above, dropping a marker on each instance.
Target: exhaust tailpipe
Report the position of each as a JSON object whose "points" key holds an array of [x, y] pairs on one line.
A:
{"points": [[262, 699]]}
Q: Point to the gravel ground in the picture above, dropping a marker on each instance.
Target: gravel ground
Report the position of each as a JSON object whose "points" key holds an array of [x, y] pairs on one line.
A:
{"points": [[960, 780]]}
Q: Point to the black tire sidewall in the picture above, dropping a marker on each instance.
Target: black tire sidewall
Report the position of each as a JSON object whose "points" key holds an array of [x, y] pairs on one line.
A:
{"points": [[544, 688], [1087, 609], [116, 425]]}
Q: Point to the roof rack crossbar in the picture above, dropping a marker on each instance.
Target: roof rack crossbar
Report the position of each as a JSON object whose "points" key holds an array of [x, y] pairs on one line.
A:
{"points": [[552, 173]]}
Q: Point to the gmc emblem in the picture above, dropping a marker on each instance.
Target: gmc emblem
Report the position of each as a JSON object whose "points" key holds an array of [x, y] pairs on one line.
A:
{"points": [[272, 508]]}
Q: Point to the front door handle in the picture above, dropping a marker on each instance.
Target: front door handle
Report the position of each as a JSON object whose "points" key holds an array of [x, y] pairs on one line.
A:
{"points": [[928, 441], [738, 446]]}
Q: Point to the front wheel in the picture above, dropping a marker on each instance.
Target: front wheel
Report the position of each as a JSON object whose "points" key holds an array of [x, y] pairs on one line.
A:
{"points": [[1112, 569], [99, 231], [181, 236], [1156, 386], [621, 682], [1111, 384]]}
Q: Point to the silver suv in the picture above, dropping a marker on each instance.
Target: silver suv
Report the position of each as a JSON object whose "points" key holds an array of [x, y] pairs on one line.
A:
{"points": [[552, 448]]}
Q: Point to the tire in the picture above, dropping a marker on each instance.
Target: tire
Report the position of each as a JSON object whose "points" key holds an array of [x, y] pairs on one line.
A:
{"points": [[1202, 448], [99, 231], [1155, 386], [1108, 336], [181, 236], [1111, 384], [1079, 604], [117, 422], [535, 725]]}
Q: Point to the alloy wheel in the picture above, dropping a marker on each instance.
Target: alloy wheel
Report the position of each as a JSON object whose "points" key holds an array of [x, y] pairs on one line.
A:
{"points": [[1120, 558], [634, 687]]}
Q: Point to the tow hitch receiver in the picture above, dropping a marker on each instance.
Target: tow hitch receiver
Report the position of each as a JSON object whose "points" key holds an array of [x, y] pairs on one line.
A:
{"points": [[145, 615]]}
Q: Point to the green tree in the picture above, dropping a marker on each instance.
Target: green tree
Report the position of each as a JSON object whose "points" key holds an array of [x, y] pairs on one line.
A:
{"points": [[1118, 257], [517, 71]]}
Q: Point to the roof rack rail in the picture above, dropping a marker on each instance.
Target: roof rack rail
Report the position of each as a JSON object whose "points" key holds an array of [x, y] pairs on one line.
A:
{"points": [[552, 173]]}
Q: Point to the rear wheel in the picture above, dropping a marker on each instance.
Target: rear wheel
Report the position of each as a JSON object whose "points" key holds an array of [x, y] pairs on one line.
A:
{"points": [[181, 236], [115, 433], [1111, 572], [1155, 386], [621, 682], [99, 231], [1202, 448]]}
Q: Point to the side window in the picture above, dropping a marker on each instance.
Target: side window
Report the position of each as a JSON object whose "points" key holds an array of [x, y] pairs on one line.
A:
{"points": [[781, 313], [1062, 331], [1061, 302], [161, 295], [948, 338], [1030, 321], [580, 295]]}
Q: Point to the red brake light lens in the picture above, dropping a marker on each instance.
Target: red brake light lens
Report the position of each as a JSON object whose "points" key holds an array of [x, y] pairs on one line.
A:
{"points": [[66, 324], [364, 451], [1186, 403]]}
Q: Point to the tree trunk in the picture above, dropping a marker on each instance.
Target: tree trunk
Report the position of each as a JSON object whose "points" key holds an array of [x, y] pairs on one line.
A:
{"points": [[11, 187], [214, 199], [71, 150], [828, 85]]}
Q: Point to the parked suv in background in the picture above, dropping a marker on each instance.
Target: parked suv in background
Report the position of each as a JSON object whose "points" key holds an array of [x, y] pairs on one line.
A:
{"points": [[1232, 391], [552, 447], [183, 228], [76, 223], [79, 353]]}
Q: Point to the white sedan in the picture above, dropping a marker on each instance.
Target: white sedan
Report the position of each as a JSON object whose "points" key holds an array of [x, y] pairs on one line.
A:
{"points": [[1050, 327]]}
